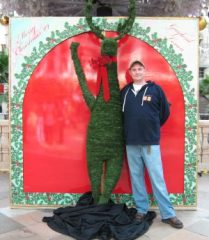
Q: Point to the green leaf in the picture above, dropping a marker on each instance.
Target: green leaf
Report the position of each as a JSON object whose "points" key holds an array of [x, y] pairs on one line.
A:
{"points": [[3, 67], [204, 87]]}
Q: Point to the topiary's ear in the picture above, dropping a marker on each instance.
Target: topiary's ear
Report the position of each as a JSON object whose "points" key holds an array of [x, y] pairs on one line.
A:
{"points": [[88, 13], [125, 27]]}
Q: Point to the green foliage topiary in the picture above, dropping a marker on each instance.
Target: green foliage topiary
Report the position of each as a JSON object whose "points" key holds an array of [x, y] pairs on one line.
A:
{"points": [[105, 142]]}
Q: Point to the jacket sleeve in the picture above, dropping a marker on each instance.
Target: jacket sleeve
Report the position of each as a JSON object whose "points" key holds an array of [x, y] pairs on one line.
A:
{"points": [[164, 108]]}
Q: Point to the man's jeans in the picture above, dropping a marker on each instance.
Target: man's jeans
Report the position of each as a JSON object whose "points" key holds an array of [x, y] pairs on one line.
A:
{"points": [[140, 157]]}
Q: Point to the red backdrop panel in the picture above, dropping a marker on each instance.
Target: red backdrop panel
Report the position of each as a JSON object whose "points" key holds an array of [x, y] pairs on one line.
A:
{"points": [[55, 117]]}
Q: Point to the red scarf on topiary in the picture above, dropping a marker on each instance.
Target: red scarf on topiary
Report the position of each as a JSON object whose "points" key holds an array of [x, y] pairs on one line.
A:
{"points": [[102, 74]]}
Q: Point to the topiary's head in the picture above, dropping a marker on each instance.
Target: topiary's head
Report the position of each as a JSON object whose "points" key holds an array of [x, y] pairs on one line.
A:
{"points": [[109, 47]]}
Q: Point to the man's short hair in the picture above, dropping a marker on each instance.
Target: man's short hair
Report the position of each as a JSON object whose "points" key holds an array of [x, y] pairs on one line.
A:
{"points": [[136, 63]]}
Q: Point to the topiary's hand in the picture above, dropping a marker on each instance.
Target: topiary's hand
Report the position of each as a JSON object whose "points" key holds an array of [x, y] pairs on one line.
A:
{"points": [[74, 45]]}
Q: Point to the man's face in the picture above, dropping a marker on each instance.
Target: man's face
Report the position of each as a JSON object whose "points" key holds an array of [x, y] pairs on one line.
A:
{"points": [[137, 73]]}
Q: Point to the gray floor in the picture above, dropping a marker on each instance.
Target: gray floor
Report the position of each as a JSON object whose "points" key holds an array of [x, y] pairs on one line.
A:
{"points": [[27, 224]]}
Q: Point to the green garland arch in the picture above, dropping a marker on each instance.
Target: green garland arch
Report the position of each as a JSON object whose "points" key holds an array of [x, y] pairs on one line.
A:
{"points": [[176, 61]]}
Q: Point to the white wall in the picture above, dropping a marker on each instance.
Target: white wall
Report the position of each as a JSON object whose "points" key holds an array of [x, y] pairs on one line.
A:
{"points": [[3, 35]]}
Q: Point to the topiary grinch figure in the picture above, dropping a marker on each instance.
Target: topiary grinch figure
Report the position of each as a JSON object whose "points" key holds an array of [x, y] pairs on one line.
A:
{"points": [[105, 143]]}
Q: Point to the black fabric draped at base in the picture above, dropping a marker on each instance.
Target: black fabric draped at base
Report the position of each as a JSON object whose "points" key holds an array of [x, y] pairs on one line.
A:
{"points": [[87, 221]]}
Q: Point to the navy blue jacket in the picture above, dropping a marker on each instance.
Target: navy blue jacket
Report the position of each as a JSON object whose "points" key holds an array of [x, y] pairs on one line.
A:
{"points": [[144, 113]]}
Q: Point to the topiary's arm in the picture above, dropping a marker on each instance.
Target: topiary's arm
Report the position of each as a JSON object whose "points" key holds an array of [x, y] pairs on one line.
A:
{"points": [[89, 98]]}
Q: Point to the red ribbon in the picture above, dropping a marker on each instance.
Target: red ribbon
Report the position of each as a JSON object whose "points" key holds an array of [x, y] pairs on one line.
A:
{"points": [[102, 74]]}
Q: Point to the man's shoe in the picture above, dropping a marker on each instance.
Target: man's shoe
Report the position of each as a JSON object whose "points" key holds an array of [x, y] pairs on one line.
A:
{"points": [[174, 222], [140, 217]]}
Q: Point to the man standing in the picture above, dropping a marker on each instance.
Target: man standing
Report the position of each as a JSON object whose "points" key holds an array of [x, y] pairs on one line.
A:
{"points": [[146, 109]]}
